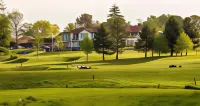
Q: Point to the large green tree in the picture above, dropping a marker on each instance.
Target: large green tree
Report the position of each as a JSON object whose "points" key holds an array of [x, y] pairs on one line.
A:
{"points": [[191, 28], [160, 44], [4, 31], [102, 42], [70, 27], [118, 29], [85, 20], [87, 46], [17, 25], [42, 28], [172, 31], [146, 39], [183, 43]]}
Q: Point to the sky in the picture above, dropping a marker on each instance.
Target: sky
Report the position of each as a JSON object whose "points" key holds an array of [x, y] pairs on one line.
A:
{"points": [[62, 12]]}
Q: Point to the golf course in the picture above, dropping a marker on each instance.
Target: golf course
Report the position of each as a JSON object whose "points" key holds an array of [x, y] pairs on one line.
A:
{"points": [[53, 79]]}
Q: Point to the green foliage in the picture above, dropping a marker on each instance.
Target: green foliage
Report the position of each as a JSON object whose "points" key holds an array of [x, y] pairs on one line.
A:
{"points": [[86, 46], [70, 27], [3, 50], [60, 44], [172, 31], [146, 39], [38, 41], [55, 29], [102, 43], [85, 20], [117, 28], [183, 43], [28, 29], [4, 31], [160, 44], [42, 28], [191, 28]]}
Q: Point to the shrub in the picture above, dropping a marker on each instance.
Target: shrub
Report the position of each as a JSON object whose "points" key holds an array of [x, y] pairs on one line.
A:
{"points": [[4, 50], [31, 98]]}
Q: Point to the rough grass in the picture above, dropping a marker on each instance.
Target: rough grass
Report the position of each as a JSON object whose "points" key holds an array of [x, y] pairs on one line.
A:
{"points": [[102, 97]]}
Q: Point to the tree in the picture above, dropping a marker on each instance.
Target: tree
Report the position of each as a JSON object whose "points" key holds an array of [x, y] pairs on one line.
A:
{"points": [[96, 24], [28, 29], [146, 38], [16, 19], [118, 29], [42, 28], [85, 20], [4, 31], [172, 31], [191, 28], [160, 44], [59, 42], [55, 30], [102, 43], [183, 43], [70, 27], [38, 41], [86, 46], [2, 7]]}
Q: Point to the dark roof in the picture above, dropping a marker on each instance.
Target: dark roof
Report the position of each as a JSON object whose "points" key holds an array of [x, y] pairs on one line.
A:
{"points": [[134, 28], [78, 30]]}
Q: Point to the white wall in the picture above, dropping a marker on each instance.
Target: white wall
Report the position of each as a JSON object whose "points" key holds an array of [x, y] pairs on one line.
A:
{"points": [[85, 32]]}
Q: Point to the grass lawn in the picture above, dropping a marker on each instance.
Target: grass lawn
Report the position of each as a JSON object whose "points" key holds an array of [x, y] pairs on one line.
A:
{"points": [[130, 81], [101, 97]]}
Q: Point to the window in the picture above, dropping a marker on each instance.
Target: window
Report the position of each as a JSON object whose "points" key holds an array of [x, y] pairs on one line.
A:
{"points": [[64, 37]]}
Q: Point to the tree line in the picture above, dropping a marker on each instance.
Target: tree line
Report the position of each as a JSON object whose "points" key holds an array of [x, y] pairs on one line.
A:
{"points": [[163, 34], [169, 33]]}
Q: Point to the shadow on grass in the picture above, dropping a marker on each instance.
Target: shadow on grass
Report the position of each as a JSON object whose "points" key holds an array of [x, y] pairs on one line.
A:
{"points": [[22, 60], [26, 68], [59, 69], [124, 61]]}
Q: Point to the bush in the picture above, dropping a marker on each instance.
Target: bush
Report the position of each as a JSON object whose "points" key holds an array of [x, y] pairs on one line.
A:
{"points": [[4, 50], [31, 98]]}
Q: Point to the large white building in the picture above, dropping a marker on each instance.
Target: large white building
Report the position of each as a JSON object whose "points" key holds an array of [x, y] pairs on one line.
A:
{"points": [[73, 39]]}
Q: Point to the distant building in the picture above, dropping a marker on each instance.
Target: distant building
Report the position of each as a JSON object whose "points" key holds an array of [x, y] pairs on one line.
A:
{"points": [[72, 39]]}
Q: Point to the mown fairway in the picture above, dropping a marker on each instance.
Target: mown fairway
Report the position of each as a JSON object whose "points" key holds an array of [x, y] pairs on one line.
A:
{"points": [[130, 81]]}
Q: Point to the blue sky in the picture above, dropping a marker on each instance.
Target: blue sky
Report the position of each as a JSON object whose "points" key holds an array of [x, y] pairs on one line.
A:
{"points": [[62, 12]]}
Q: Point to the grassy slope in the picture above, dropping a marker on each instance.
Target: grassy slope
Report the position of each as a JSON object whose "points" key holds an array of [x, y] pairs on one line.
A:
{"points": [[103, 97], [131, 71]]}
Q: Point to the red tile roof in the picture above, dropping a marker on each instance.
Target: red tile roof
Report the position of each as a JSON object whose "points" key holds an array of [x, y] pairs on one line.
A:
{"points": [[134, 28]]}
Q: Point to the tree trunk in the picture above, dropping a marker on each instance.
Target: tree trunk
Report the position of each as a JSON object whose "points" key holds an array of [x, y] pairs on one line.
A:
{"points": [[117, 54], [172, 51], [186, 52], [176, 53], [181, 53], [103, 55], [37, 51], [146, 49], [152, 52], [196, 51], [16, 45], [159, 53], [87, 57]]}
